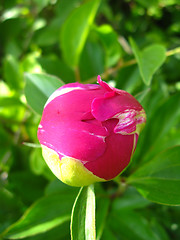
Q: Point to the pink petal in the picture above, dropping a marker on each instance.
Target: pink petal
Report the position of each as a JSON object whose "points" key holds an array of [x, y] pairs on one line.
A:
{"points": [[65, 128], [108, 87], [104, 108], [71, 87], [117, 156]]}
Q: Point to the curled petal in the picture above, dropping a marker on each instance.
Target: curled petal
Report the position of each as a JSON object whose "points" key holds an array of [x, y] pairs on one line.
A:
{"points": [[131, 121], [104, 108], [108, 87]]}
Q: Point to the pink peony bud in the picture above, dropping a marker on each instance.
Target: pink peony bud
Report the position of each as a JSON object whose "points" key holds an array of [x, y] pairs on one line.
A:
{"points": [[89, 132]]}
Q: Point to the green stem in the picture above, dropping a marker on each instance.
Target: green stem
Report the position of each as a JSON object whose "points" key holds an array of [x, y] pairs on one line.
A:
{"points": [[173, 51], [122, 64], [122, 186]]}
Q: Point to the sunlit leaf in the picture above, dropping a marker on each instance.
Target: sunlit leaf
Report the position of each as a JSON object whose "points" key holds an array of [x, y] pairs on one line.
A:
{"points": [[75, 31]]}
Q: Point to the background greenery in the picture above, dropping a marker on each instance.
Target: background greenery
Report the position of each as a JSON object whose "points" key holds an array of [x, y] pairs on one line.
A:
{"points": [[135, 46]]}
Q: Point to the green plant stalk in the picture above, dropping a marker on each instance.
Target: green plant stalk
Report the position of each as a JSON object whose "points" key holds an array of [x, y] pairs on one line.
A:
{"points": [[122, 186], [122, 64]]}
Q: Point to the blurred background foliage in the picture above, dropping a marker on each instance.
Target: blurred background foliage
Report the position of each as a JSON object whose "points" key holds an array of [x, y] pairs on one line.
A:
{"points": [[76, 40]]}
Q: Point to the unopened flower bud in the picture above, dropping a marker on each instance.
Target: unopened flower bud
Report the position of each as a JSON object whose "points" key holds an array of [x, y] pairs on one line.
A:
{"points": [[89, 132]]}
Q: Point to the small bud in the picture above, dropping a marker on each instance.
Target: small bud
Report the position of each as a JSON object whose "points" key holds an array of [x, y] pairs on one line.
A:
{"points": [[89, 132]]}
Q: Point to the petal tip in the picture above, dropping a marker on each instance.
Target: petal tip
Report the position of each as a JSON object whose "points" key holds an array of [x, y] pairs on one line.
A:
{"points": [[104, 84], [99, 80]]}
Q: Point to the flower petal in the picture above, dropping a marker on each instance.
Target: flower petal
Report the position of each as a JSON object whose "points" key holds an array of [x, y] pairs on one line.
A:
{"points": [[71, 87], [104, 108], [119, 149], [64, 129]]}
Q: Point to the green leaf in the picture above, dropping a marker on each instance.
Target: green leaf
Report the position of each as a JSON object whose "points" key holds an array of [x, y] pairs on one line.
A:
{"points": [[10, 102], [38, 165], [34, 185], [61, 232], [75, 31], [159, 179], [109, 39], [102, 212], [159, 229], [43, 215], [12, 72], [57, 67], [91, 61], [141, 95], [11, 208], [57, 186], [49, 35], [131, 199], [164, 120], [108, 234], [38, 89], [131, 225], [83, 215], [128, 78], [149, 60]]}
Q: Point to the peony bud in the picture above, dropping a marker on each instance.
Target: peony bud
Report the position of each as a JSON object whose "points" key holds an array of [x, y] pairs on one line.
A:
{"points": [[89, 132]]}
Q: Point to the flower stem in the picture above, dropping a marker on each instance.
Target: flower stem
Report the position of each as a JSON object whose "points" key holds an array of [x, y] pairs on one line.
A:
{"points": [[122, 186]]}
